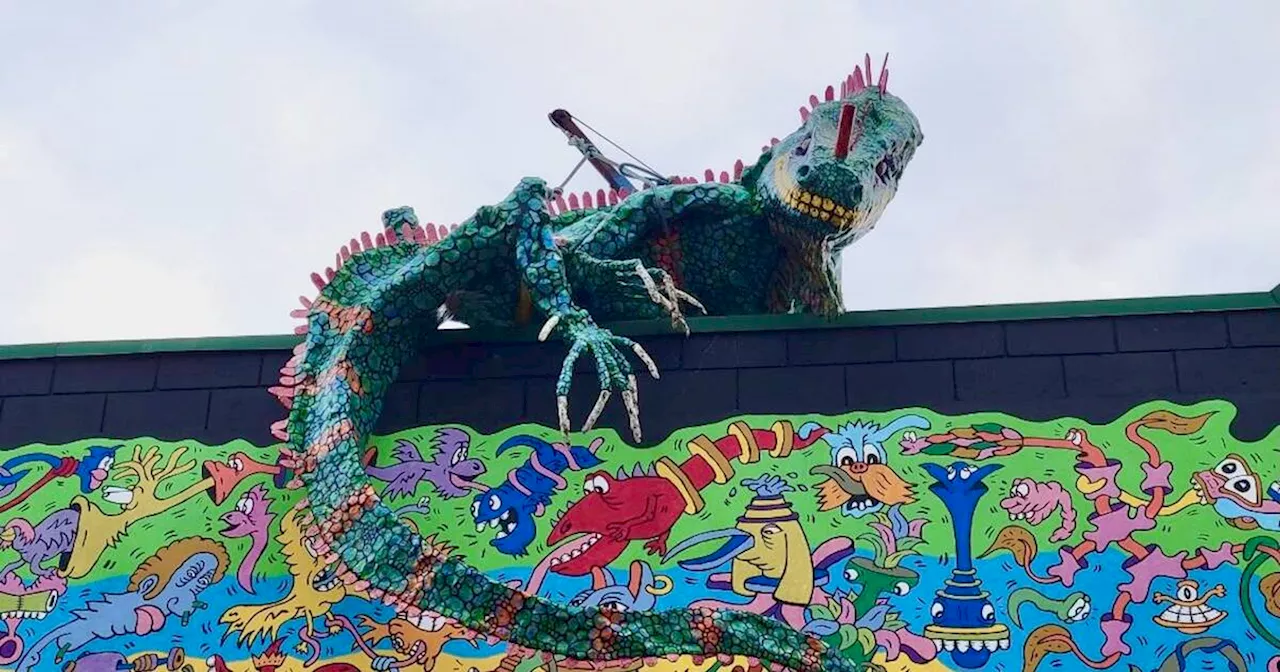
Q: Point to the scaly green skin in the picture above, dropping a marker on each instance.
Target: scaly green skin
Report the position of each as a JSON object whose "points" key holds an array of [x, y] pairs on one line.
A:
{"points": [[762, 244]]}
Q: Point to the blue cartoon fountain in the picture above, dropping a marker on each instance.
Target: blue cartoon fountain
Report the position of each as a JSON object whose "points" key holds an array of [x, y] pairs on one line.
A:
{"points": [[964, 621]]}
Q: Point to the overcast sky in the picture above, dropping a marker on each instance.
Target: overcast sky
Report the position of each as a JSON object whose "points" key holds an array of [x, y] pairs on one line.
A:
{"points": [[179, 168]]}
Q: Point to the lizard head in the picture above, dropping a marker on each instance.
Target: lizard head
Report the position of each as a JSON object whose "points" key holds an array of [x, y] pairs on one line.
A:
{"points": [[831, 179]]}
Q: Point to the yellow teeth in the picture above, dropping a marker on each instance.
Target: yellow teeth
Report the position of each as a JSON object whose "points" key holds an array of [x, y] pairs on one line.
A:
{"points": [[818, 207]]}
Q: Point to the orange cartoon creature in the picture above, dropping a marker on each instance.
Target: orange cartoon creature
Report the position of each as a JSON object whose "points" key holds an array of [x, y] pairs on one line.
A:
{"points": [[860, 481]]}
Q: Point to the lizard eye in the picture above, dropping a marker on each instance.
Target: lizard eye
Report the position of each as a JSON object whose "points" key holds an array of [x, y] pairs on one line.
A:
{"points": [[802, 148], [886, 169]]}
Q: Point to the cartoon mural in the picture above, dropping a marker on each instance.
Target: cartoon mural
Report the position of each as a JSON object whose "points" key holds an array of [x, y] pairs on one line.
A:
{"points": [[907, 540]]}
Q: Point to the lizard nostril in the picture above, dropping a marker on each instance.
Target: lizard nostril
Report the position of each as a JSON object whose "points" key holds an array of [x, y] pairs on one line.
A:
{"points": [[802, 172]]}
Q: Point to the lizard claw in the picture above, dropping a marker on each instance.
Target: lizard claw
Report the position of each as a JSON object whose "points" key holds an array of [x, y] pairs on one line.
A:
{"points": [[668, 296], [614, 370]]}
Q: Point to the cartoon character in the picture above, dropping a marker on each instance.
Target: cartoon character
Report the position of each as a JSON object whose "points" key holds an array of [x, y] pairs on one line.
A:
{"points": [[1235, 492], [1034, 502], [639, 593], [768, 549], [90, 471], [166, 584], [859, 479], [449, 471], [510, 508], [645, 504], [111, 661], [316, 588], [250, 518], [612, 513], [1188, 611], [96, 530], [36, 545], [417, 642], [883, 574], [273, 659], [964, 620]]}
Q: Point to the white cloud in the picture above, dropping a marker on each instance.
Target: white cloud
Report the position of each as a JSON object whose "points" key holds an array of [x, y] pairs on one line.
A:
{"points": [[1073, 150]]}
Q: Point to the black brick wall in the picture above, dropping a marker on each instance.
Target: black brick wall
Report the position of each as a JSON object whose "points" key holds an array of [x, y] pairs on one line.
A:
{"points": [[1093, 369]]}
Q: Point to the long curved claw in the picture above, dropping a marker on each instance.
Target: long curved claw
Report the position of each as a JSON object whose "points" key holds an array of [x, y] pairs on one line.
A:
{"points": [[595, 412], [648, 361], [562, 410], [631, 398], [548, 327]]}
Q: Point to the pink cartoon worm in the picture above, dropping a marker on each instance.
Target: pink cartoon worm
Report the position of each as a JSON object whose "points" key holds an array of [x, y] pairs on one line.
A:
{"points": [[1035, 502]]}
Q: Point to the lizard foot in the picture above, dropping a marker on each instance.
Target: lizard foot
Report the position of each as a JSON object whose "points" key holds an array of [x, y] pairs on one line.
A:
{"points": [[664, 292], [614, 370]]}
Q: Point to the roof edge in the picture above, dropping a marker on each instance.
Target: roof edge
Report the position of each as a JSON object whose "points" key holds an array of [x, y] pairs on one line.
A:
{"points": [[737, 323]]}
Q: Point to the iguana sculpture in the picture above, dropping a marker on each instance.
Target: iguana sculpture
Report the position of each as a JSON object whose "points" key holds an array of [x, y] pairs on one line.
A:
{"points": [[762, 242]]}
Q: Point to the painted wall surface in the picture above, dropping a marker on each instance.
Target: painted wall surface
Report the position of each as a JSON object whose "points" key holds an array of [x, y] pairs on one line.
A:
{"points": [[923, 541]]}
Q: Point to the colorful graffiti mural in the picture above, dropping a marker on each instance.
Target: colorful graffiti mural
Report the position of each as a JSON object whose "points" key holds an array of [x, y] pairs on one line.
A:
{"points": [[910, 540]]}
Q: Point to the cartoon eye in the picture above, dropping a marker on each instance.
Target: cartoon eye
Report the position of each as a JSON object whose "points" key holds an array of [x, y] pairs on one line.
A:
{"points": [[203, 581], [910, 436], [458, 455], [1247, 487], [1022, 490], [871, 454], [847, 457], [988, 612], [1230, 467], [597, 484], [901, 588], [494, 503], [475, 509], [613, 605], [1186, 593], [936, 610], [851, 574], [106, 463], [245, 506]]}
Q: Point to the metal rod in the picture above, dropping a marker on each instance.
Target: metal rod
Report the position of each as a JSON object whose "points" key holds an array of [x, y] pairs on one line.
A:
{"points": [[562, 120]]}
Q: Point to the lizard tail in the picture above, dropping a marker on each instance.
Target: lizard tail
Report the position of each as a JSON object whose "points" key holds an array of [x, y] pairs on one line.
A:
{"points": [[365, 324]]}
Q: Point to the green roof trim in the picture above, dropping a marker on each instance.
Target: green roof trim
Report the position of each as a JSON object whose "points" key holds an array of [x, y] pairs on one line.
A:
{"points": [[873, 318]]}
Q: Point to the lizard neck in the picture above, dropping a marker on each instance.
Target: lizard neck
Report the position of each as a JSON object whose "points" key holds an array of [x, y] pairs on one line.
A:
{"points": [[805, 276]]}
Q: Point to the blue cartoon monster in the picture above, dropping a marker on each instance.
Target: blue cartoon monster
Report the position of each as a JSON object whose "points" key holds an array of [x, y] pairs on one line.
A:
{"points": [[860, 481], [510, 508]]}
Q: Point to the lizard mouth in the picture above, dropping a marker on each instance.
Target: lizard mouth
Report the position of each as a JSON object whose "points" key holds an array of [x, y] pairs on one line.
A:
{"points": [[809, 204]]}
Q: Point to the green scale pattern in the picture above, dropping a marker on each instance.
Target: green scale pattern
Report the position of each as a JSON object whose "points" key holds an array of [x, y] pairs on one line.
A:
{"points": [[745, 247]]}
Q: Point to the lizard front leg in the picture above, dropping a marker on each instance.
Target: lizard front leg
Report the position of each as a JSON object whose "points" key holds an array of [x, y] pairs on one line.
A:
{"points": [[629, 288], [542, 265]]}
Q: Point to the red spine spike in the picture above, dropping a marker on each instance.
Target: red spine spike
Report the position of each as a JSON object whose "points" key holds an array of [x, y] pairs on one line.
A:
{"points": [[813, 101], [560, 203], [884, 80], [406, 232], [429, 233], [600, 198], [804, 114], [724, 177], [773, 141], [613, 197], [830, 93], [420, 236], [551, 208], [380, 240], [390, 235], [844, 87], [345, 253], [868, 72], [329, 274], [318, 281], [737, 169], [587, 201], [354, 245], [366, 240], [709, 175], [623, 193], [573, 202], [764, 148]]}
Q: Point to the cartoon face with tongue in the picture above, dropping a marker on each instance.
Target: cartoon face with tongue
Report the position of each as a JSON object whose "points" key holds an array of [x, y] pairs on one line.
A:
{"points": [[165, 585], [860, 481]]}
